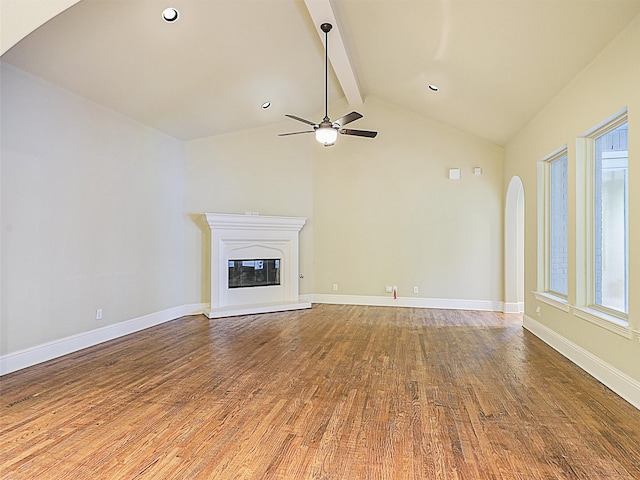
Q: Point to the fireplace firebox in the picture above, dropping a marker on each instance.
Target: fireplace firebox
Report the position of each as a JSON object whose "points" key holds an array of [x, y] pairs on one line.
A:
{"points": [[254, 273]]}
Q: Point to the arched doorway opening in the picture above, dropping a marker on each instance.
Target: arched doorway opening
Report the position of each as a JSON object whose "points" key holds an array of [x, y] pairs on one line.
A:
{"points": [[514, 247]]}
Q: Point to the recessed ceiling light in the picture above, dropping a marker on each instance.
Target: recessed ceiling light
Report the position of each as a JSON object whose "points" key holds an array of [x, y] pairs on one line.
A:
{"points": [[170, 15], [434, 88], [266, 105]]}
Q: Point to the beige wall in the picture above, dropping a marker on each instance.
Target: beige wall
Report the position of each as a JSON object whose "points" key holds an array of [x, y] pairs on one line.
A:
{"points": [[380, 212], [609, 84], [385, 212], [248, 171], [92, 215]]}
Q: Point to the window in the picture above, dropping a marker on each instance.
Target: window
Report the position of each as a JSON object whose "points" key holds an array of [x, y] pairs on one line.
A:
{"points": [[553, 225], [610, 213], [558, 224], [602, 226]]}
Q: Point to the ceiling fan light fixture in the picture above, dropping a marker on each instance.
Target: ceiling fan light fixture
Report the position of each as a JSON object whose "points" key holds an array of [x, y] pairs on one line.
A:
{"points": [[170, 15], [326, 135]]}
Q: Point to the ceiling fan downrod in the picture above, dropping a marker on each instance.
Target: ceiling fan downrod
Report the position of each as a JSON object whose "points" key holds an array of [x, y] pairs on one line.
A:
{"points": [[326, 28]]}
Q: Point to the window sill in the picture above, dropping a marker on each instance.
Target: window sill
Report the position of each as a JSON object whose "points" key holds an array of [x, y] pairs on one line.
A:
{"points": [[609, 322], [553, 300], [604, 320]]}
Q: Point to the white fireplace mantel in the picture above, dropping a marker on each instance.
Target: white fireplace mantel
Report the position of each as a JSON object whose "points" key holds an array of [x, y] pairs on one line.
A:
{"points": [[254, 237]]}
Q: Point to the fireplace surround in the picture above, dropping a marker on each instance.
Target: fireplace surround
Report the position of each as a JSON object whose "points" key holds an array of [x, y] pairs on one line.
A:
{"points": [[242, 239]]}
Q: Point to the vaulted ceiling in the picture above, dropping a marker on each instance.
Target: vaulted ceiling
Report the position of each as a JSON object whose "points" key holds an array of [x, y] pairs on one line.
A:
{"points": [[497, 63]]}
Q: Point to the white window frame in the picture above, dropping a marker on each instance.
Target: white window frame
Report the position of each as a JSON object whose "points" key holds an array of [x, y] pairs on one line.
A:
{"points": [[544, 292], [586, 308]]}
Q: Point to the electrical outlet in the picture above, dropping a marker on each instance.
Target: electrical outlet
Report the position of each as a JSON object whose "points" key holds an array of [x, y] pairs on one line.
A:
{"points": [[416, 290], [389, 289], [335, 287], [99, 314]]}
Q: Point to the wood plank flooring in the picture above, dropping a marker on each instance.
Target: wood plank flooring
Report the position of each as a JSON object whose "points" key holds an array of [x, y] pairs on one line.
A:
{"points": [[335, 392]]}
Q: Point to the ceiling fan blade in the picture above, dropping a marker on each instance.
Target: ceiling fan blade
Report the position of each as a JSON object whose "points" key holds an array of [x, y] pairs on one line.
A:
{"points": [[359, 133], [348, 118], [308, 122], [295, 133]]}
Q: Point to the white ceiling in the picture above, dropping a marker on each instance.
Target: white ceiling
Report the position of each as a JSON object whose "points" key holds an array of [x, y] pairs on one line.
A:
{"points": [[497, 62]]}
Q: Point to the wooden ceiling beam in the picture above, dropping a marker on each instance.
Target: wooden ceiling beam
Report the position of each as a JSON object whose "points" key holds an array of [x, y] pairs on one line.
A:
{"points": [[321, 11]]}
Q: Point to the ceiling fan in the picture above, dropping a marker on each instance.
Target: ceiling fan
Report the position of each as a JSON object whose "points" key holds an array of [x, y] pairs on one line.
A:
{"points": [[327, 131]]}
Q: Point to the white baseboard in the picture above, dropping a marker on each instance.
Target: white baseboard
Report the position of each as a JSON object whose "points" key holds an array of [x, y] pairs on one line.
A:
{"points": [[619, 382], [415, 302], [57, 348], [513, 307]]}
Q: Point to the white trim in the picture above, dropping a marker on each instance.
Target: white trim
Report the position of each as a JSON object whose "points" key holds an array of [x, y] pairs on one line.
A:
{"points": [[513, 307], [514, 247], [229, 221], [619, 382], [553, 300], [608, 322], [12, 362], [192, 309], [611, 123], [388, 301]]}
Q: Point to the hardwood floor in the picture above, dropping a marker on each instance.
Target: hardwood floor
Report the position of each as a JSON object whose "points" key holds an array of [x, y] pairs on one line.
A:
{"points": [[336, 392]]}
